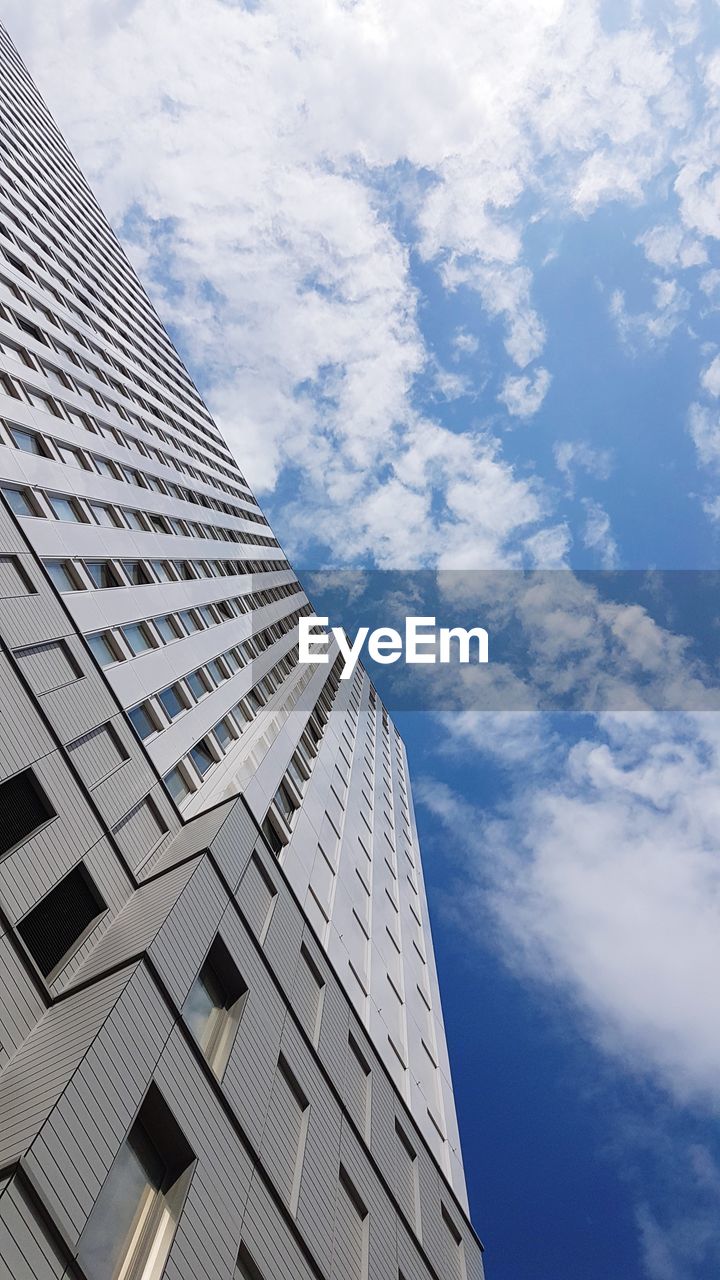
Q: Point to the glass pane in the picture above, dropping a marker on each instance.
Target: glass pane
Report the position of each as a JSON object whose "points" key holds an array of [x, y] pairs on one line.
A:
{"points": [[65, 509], [138, 638], [172, 702], [202, 1007], [102, 649], [202, 757], [142, 722], [60, 575], [176, 785], [190, 621], [25, 440], [223, 734], [196, 685], [133, 519], [161, 571], [102, 573], [131, 1188], [18, 502], [103, 515], [136, 572], [167, 629], [70, 457]]}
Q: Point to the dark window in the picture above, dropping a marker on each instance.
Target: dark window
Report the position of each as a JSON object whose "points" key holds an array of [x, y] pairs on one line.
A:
{"points": [[54, 927], [23, 808], [247, 1269], [103, 574]]}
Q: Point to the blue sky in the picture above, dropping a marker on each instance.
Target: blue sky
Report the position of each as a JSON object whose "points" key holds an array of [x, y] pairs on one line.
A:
{"points": [[450, 281]]}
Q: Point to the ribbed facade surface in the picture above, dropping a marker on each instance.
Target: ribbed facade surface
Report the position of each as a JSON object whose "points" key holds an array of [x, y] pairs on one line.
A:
{"points": [[222, 1051]]}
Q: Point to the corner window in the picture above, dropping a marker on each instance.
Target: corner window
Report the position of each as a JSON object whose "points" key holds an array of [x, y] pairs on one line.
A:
{"points": [[214, 1006], [130, 1230]]}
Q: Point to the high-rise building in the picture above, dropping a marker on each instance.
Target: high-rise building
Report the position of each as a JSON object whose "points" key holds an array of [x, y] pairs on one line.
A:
{"points": [[222, 1051]]}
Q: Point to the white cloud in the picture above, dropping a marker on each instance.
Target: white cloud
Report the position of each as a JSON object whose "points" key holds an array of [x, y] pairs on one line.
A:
{"points": [[605, 880], [704, 428], [667, 247], [651, 328], [598, 535], [710, 378], [572, 456], [524, 394]]}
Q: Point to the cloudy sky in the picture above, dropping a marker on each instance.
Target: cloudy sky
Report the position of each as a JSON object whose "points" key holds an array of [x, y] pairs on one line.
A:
{"points": [[448, 276]]}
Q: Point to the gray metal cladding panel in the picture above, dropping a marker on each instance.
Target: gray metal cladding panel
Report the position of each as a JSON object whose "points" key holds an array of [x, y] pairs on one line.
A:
{"points": [[21, 1005], [349, 1246], [134, 929], [251, 1066], [27, 1251], [270, 1239], [306, 995], [26, 617], [140, 831], [198, 835], [405, 1181], [48, 666], [13, 582], [97, 753], [222, 1176], [284, 937], [122, 1056], [34, 1079], [257, 895], [183, 940], [25, 738], [280, 1149], [234, 842]]}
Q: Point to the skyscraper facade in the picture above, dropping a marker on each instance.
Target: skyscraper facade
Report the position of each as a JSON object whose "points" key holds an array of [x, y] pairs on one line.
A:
{"points": [[222, 1051]]}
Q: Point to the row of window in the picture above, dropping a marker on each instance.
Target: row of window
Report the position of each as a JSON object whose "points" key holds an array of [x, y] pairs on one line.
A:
{"points": [[157, 370], [59, 408], [82, 575], [121, 643], [155, 713], [27, 501], [189, 773], [98, 396]]}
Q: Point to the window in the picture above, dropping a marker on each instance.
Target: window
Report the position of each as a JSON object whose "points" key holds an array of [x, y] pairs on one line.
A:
{"points": [[71, 457], [214, 1006], [162, 573], [104, 647], [143, 720], [357, 1086], [224, 734], [103, 573], [66, 508], [190, 621], [138, 637], [217, 671], [27, 441], [172, 701], [177, 784], [168, 628], [351, 1236], [137, 572], [54, 929], [64, 575], [105, 468], [24, 808], [197, 684], [202, 757], [130, 1230], [453, 1247], [21, 502], [134, 519], [104, 515], [285, 803]]}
